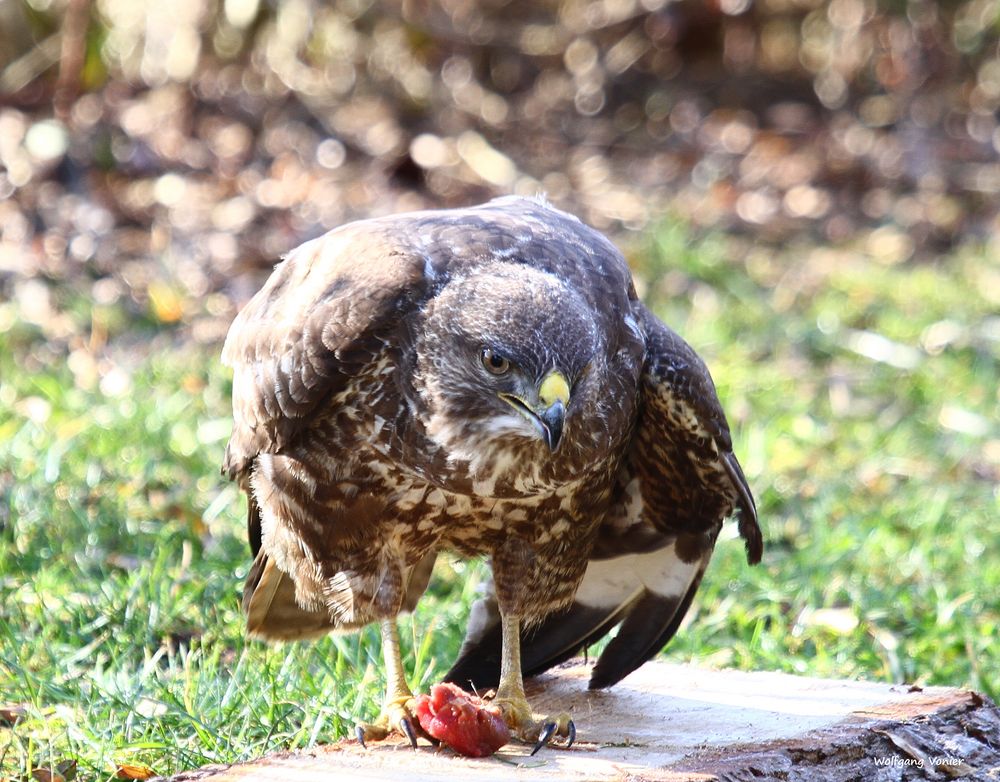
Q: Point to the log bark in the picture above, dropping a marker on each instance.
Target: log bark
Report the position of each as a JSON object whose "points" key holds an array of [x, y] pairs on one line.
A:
{"points": [[674, 722]]}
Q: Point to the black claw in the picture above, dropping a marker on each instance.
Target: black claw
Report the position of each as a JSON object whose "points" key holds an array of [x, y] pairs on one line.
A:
{"points": [[359, 732], [407, 729], [543, 738], [572, 734]]}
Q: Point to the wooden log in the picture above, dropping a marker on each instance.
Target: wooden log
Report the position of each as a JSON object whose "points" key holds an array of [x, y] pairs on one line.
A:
{"points": [[677, 722]]}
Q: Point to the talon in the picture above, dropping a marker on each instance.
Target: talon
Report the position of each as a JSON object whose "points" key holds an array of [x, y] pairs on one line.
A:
{"points": [[571, 734], [359, 732], [543, 738], [406, 728]]}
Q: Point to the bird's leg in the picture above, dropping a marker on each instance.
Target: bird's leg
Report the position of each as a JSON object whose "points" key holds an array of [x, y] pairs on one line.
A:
{"points": [[512, 701], [397, 709], [510, 692]]}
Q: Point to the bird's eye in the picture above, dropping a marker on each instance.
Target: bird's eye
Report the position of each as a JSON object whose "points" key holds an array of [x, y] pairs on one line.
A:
{"points": [[495, 363]]}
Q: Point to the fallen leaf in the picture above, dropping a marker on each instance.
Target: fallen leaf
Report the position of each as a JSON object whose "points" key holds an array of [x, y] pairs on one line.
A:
{"points": [[12, 713], [63, 772], [129, 771]]}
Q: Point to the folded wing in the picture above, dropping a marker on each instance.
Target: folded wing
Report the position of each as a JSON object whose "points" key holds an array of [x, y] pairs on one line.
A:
{"points": [[680, 480]]}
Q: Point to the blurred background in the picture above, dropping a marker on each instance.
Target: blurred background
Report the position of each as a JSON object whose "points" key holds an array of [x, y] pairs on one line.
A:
{"points": [[807, 190], [165, 153]]}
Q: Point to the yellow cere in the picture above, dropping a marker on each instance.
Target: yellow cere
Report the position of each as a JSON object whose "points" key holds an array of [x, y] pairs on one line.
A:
{"points": [[554, 388]]}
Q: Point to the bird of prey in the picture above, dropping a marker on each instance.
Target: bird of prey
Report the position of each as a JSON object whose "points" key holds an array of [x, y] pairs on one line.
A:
{"points": [[485, 381]]}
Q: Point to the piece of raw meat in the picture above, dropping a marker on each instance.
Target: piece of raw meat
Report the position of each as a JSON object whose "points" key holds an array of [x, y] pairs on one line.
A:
{"points": [[462, 721]]}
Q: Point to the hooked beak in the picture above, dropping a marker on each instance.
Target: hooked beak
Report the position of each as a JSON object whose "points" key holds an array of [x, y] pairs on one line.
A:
{"points": [[552, 418], [549, 415]]}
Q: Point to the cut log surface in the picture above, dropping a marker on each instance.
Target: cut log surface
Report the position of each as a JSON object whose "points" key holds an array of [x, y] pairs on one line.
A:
{"points": [[677, 722]]}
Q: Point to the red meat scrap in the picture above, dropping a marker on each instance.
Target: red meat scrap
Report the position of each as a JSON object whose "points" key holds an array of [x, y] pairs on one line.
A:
{"points": [[464, 722]]}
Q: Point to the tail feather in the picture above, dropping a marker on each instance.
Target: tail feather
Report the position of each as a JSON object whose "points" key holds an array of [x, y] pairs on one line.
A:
{"points": [[647, 593], [558, 638], [271, 609], [573, 631], [651, 623]]}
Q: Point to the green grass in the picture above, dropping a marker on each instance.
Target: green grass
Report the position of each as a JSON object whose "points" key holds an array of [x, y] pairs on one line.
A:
{"points": [[864, 405]]}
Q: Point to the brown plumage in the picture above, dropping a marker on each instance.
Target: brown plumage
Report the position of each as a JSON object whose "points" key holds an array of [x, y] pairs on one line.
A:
{"points": [[482, 380]]}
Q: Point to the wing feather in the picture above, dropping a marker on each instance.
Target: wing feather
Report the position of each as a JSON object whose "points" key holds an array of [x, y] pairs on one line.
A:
{"points": [[689, 481], [315, 323], [748, 525]]}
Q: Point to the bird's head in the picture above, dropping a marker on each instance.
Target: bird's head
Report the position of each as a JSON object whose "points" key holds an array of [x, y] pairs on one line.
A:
{"points": [[503, 353]]}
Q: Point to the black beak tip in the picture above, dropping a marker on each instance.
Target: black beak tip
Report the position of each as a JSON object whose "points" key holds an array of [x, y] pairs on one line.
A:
{"points": [[552, 424]]}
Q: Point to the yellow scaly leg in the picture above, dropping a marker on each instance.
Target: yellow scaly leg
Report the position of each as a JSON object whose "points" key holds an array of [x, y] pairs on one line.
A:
{"points": [[398, 708], [512, 701]]}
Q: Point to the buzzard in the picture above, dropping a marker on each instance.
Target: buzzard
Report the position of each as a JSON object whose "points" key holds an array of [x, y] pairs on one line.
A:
{"points": [[485, 381]]}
